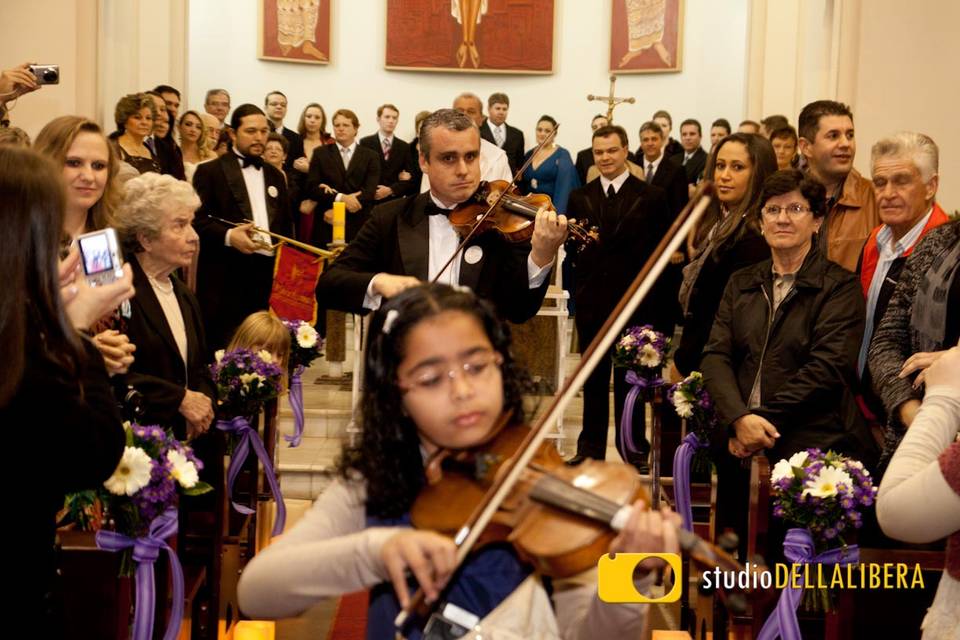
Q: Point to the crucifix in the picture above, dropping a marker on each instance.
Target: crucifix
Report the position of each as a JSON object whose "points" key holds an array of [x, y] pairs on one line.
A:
{"points": [[611, 100]]}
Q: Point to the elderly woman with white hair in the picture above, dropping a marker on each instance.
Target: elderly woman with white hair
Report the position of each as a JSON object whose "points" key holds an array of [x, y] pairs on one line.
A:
{"points": [[154, 224]]}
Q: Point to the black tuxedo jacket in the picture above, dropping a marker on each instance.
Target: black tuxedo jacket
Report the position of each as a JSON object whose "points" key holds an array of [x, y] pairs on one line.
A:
{"points": [[672, 148], [231, 285], [396, 239], [672, 178], [390, 169], [326, 167], [294, 146], [630, 229], [513, 144], [695, 165], [158, 372]]}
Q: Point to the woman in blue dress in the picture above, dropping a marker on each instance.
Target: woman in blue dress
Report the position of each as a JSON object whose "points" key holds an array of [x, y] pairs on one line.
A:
{"points": [[552, 172]]}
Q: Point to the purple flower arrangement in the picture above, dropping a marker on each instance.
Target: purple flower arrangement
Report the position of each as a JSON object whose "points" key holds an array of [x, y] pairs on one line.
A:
{"points": [[305, 344], [154, 469], [822, 492], [245, 381], [642, 350], [692, 402]]}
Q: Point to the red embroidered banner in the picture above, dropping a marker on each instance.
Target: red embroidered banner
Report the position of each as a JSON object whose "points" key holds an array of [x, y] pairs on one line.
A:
{"points": [[295, 276]]}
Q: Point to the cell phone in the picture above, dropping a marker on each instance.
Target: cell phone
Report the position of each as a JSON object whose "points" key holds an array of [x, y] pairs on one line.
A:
{"points": [[101, 257], [46, 73]]}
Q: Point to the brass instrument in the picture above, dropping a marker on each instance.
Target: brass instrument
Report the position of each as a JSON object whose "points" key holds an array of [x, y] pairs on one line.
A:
{"points": [[317, 251]]}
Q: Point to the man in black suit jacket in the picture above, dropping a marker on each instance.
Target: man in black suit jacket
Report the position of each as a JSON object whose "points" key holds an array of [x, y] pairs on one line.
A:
{"points": [[276, 107], [396, 175], [694, 158], [408, 241], [235, 273], [632, 217], [342, 172], [496, 130]]}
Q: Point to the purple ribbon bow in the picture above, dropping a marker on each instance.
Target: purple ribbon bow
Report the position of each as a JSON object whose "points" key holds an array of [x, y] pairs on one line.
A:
{"points": [[626, 421], [296, 405], [798, 547], [248, 438], [146, 550], [681, 477]]}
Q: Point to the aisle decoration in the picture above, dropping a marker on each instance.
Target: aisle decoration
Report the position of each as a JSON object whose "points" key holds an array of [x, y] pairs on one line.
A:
{"points": [[135, 513], [305, 347], [691, 401], [642, 351], [245, 381], [821, 494]]}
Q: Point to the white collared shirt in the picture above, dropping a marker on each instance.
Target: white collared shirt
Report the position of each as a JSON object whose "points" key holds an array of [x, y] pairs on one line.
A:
{"points": [[616, 182], [257, 194], [442, 241], [654, 163], [890, 250], [385, 137], [495, 128]]}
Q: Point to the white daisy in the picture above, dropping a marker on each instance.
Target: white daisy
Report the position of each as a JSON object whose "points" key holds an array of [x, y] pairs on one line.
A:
{"points": [[132, 474], [797, 459], [781, 470], [825, 484], [182, 469], [649, 357], [306, 336], [684, 408]]}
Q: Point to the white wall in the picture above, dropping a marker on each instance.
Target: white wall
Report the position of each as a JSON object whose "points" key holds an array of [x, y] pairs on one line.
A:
{"points": [[222, 39]]}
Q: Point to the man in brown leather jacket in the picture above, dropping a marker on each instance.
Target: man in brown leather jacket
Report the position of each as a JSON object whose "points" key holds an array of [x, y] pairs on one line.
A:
{"points": [[828, 144]]}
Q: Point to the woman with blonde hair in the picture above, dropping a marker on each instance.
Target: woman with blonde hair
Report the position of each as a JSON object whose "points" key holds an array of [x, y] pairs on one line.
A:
{"points": [[194, 142]]}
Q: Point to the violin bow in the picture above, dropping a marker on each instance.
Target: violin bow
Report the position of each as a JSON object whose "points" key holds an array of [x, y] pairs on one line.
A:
{"points": [[495, 204], [466, 538]]}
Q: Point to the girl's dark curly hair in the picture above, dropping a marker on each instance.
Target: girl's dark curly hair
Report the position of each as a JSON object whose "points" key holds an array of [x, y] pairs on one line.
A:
{"points": [[388, 454]]}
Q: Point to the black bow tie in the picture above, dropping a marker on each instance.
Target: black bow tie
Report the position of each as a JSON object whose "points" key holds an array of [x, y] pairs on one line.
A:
{"points": [[254, 161], [433, 210]]}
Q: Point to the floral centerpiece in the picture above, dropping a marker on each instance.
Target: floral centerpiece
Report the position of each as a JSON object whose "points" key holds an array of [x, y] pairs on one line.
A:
{"points": [[691, 401], [245, 381], [642, 351], [134, 512], [305, 347], [821, 494]]}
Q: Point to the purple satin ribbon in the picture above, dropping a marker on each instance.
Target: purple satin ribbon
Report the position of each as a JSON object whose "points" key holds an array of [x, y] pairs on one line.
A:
{"points": [[626, 421], [681, 477], [146, 550], [248, 438], [296, 405], [798, 547]]}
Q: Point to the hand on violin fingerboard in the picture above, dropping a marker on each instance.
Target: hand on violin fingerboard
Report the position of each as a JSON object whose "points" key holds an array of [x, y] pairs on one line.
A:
{"points": [[648, 531], [549, 232]]}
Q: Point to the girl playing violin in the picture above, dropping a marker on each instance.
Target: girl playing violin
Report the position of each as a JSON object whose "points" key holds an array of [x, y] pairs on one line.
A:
{"points": [[439, 374]]}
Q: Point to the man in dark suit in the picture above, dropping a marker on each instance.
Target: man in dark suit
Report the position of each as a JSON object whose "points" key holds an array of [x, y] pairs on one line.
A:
{"points": [[496, 130], [275, 105], [585, 156], [632, 217], [659, 170], [235, 271], [396, 175], [408, 241], [342, 172], [693, 158]]}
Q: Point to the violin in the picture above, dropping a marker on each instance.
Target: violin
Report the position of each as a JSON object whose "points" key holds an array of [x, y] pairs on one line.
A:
{"points": [[512, 214], [514, 487]]}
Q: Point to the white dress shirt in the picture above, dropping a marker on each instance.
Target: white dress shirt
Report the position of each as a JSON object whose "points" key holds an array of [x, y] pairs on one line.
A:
{"points": [[442, 241], [257, 193], [654, 163], [616, 182]]}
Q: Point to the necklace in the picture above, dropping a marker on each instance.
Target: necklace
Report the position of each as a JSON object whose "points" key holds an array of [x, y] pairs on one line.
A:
{"points": [[160, 285]]}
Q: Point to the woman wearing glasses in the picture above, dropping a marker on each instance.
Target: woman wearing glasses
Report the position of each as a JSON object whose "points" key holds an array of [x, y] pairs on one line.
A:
{"points": [[782, 356]]}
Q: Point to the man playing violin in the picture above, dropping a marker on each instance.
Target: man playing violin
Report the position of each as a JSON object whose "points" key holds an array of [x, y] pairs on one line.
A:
{"points": [[411, 240]]}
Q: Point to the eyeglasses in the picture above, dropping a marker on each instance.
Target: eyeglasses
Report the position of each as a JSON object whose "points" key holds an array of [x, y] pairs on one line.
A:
{"points": [[794, 210], [433, 378]]}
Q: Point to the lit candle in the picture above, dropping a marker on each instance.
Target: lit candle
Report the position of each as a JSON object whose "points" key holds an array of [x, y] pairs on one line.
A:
{"points": [[339, 222], [254, 630]]}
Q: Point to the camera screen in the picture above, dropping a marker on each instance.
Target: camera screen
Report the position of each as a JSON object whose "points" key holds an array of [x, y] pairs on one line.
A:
{"points": [[96, 254]]}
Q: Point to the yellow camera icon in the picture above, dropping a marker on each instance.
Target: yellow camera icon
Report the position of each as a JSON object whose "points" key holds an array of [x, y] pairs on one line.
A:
{"points": [[615, 577]]}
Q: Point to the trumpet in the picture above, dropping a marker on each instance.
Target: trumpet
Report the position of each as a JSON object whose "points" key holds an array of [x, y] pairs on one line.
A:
{"points": [[317, 251]]}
